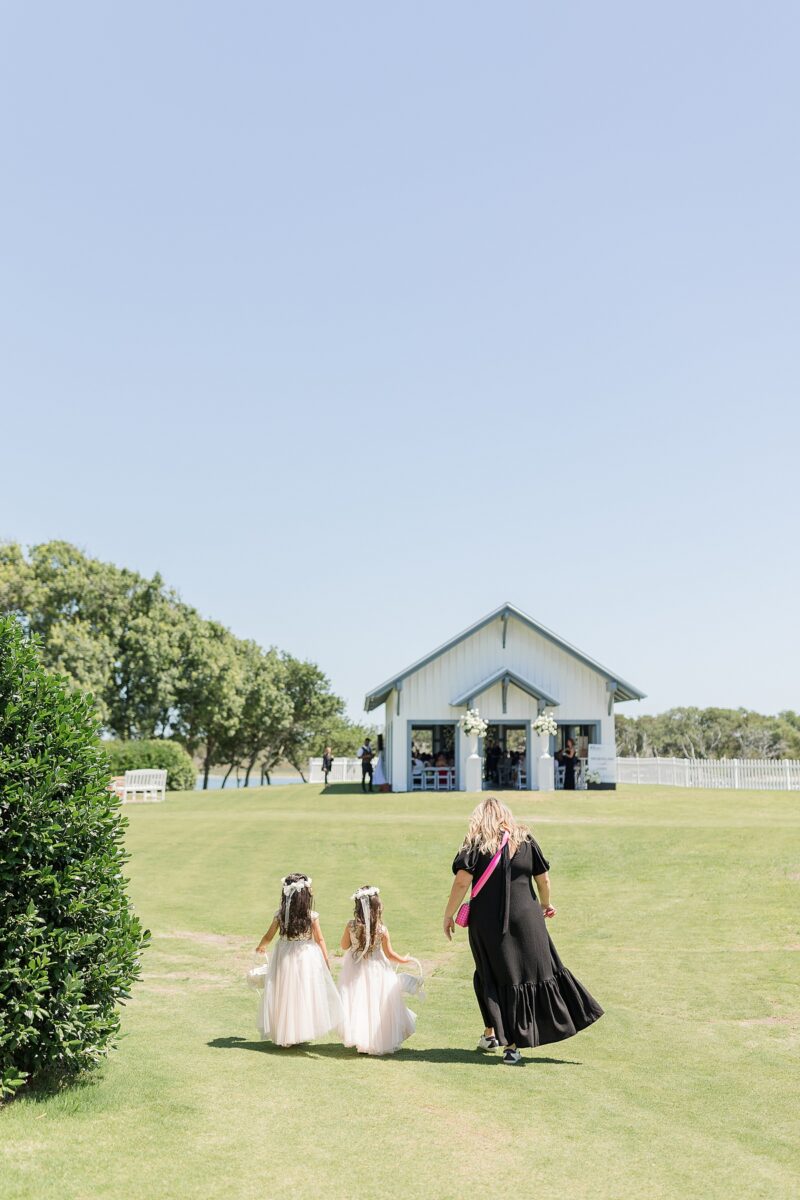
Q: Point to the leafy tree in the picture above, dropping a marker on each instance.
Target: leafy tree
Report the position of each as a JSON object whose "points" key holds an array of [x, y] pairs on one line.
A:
{"points": [[149, 661], [210, 695], [313, 708], [708, 733], [343, 736], [158, 670], [266, 710], [69, 942], [107, 629]]}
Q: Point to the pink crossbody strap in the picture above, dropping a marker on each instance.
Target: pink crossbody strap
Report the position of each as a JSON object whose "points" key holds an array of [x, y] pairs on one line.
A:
{"points": [[476, 887]]}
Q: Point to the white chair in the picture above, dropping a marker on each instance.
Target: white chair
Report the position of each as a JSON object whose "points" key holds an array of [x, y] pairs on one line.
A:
{"points": [[144, 787], [560, 773]]}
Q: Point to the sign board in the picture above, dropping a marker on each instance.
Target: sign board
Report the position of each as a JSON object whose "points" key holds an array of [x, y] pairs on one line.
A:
{"points": [[603, 759]]}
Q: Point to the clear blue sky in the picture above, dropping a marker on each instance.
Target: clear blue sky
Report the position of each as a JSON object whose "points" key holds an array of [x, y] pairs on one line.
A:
{"points": [[356, 320]]}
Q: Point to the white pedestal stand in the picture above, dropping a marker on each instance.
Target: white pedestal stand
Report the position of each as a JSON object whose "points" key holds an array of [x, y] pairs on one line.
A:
{"points": [[473, 768], [545, 776]]}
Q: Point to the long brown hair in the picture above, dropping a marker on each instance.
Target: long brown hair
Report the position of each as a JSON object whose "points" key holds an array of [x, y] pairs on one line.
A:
{"points": [[375, 927], [299, 905]]}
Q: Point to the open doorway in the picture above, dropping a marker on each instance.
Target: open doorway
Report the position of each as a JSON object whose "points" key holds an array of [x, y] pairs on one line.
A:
{"points": [[505, 756], [580, 735], [433, 757]]}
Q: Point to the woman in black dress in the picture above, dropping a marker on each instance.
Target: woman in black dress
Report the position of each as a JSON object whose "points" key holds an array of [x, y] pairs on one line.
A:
{"points": [[526, 996], [570, 761]]}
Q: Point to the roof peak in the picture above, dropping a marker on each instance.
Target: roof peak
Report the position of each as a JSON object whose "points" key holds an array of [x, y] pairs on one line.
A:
{"points": [[622, 690]]}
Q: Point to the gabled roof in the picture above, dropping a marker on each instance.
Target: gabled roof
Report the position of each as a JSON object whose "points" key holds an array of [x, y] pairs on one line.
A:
{"points": [[504, 676], [621, 689]]}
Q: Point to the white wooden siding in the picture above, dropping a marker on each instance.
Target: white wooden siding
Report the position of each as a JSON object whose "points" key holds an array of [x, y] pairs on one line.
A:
{"points": [[426, 695]]}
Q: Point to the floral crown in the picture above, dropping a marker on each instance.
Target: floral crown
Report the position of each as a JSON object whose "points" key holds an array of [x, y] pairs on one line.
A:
{"points": [[289, 889], [365, 892]]}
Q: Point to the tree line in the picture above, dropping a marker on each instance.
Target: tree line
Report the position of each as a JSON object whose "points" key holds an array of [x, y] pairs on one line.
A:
{"points": [[157, 669], [709, 733]]}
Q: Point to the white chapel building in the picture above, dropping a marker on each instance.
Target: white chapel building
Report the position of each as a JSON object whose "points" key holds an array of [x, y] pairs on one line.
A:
{"points": [[511, 669]]}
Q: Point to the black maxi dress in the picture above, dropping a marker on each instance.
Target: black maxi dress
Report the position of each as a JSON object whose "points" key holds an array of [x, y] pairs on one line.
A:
{"points": [[524, 991], [569, 762]]}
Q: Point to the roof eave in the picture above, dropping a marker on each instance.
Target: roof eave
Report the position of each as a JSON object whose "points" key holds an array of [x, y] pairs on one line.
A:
{"points": [[490, 681], [623, 691]]}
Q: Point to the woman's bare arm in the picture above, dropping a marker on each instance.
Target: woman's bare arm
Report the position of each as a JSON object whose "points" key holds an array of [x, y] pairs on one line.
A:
{"points": [[458, 891], [268, 936], [346, 941], [543, 888]]}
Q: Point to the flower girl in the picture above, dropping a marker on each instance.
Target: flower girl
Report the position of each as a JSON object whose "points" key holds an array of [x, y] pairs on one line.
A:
{"points": [[376, 1020], [300, 998]]}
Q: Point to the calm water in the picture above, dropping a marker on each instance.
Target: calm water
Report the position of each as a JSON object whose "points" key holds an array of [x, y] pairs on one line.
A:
{"points": [[215, 781]]}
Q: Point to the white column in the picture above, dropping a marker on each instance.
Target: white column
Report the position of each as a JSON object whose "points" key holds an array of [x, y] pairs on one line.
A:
{"points": [[544, 773], [473, 767], [398, 768]]}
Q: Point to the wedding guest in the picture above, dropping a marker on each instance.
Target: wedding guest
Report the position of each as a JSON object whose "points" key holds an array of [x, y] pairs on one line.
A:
{"points": [[327, 764], [366, 754], [526, 995], [569, 761]]}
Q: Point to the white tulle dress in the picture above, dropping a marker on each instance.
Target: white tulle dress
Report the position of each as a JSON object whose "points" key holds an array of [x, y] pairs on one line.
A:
{"points": [[300, 999], [376, 1020]]}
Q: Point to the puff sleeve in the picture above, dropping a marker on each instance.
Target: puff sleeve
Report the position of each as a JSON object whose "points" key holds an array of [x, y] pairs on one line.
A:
{"points": [[540, 863], [465, 860]]}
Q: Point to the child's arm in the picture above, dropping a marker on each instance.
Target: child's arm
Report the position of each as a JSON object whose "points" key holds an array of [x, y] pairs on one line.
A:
{"points": [[389, 952], [316, 933], [346, 941], [261, 948]]}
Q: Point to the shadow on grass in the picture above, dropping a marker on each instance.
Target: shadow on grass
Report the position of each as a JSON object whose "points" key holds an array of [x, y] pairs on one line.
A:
{"points": [[44, 1087], [445, 1054], [346, 789]]}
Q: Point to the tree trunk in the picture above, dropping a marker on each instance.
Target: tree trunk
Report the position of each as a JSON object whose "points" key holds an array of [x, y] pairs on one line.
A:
{"points": [[298, 768], [206, 770], [225, 777], [250, 766]]}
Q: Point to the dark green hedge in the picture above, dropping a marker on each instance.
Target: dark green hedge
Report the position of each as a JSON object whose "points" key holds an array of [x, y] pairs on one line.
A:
{"points": [[156, 753], [70, 943]]}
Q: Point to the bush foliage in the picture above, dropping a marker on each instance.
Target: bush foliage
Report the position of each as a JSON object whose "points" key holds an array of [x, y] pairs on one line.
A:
{"points": [[70, 943], [156, 754]]}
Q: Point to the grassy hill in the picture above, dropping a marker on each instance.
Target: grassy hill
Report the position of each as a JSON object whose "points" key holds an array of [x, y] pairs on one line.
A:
{"points": [[679, 911]]}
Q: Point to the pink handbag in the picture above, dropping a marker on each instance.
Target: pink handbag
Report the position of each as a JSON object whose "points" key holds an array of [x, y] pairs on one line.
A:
{"points": [[462, 916]]}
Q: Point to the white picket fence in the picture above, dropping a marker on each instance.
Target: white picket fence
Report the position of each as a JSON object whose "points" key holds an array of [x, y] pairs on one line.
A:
{"points": [[765, 774], [344, 770]]}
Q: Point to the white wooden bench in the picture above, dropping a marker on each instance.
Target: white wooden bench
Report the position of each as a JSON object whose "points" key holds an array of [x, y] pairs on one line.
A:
{"points": [[144, 787]]}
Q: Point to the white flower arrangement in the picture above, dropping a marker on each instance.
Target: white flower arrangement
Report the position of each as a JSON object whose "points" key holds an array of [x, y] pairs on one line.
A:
{"points": [[593, 777], [289, 889], [545, 725], [364, 893], [473, 724]]}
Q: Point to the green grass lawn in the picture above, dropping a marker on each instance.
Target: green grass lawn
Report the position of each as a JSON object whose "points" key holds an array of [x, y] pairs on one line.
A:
{"points": [[677, 909]]}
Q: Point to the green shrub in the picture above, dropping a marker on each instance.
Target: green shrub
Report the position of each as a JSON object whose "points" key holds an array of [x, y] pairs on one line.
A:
{"points": [[155, 753], [69, 942]]}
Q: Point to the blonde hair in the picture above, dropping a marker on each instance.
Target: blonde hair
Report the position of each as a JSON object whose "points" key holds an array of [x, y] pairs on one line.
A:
{"points": [[487, 824]]}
